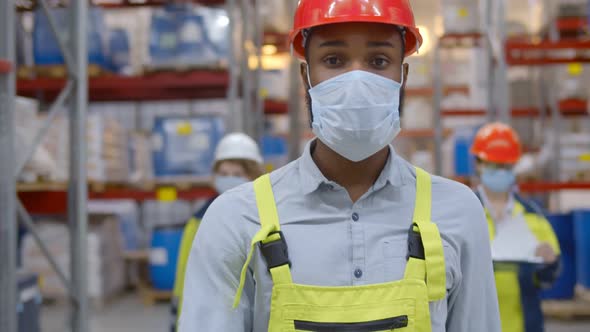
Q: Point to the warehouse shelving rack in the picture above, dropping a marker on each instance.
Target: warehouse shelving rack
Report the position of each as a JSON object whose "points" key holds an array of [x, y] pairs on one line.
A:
{"points": [[502, 53], [75, 91], [159, 86]]}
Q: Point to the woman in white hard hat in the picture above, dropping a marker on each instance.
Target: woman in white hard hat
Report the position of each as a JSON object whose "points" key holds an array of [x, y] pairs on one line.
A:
{"points": [[237, 161]]}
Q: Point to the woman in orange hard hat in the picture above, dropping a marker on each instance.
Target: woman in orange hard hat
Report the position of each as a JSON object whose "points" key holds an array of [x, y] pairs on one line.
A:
{"points": [[524, 247], [349, 237]]}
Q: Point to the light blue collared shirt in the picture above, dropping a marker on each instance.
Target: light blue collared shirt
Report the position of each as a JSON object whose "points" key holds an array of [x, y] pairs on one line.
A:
{"points": [[335, 242]]}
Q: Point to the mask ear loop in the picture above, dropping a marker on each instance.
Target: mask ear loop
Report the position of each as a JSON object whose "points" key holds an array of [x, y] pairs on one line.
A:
{"points": [[402, 73], [305, 35], [308, 78]]}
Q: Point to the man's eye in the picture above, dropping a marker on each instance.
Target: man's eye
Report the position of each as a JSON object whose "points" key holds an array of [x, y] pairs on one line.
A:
{"points": [[379, 62], [332, 61]]}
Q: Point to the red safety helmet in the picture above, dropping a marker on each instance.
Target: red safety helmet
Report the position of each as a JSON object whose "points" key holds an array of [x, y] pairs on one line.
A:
{"points": [[497, 143], [313, 13]]}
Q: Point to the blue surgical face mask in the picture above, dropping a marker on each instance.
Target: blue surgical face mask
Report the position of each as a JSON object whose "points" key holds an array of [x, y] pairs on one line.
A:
{"points": [[356, 114], [498, 180], [225, 183]]}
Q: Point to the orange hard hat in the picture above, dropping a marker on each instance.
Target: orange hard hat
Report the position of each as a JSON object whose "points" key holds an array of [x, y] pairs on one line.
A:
{"points": [[313, 13], [497, 143]]}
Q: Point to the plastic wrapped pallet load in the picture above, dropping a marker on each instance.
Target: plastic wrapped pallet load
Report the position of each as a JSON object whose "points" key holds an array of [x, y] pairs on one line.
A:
{"points": [[105, 264], [460, 16], [185, 145]]}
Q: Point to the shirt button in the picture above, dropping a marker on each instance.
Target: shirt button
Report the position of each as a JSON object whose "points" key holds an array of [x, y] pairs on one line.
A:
{"points": [[358, 273], [355, 216]]}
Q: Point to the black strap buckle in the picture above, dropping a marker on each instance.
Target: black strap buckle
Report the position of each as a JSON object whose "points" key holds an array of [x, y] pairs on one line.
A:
{"points": [[415, 245], [275, 252]]}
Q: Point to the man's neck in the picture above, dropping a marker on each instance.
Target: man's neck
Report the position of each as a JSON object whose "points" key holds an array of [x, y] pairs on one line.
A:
{"points": [[355, 177]]}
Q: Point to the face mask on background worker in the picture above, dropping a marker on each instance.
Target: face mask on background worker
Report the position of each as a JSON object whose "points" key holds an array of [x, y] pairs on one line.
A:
{"points": [[224, 183], [356, 114], [497, 179]]}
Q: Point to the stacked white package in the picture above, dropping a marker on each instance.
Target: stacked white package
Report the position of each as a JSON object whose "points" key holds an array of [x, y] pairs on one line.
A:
{"points": [[275, 84], [575, 156], [108, 150], [142, 169], [124, 112], [105, 264], [26, 126]]}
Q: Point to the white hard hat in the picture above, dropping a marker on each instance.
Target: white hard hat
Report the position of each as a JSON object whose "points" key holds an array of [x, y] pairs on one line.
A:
{"points": [[238, 146]]}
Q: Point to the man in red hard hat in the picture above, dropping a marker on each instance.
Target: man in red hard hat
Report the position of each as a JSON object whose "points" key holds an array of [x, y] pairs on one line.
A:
{"points": [[349, 237], [525, 249]]}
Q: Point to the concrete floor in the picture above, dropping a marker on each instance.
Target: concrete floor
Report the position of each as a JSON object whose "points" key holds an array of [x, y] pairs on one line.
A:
{"points": [[128, 314]]}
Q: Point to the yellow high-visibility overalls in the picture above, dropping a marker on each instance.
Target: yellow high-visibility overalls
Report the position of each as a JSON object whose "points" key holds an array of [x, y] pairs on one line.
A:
{"points": [[393, 306]]}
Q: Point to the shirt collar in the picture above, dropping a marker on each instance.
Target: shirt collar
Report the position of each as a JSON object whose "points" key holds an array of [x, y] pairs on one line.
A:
{"points": [[311, 178]]}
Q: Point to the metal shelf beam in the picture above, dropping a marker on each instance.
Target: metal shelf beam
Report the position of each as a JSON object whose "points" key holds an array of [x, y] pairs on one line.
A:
{"points": [[8, 226], [77, 191], [52, 201]]}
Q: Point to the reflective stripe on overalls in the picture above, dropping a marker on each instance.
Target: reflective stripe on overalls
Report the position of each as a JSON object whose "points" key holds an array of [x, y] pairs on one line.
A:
{"points": [[399, 305]]}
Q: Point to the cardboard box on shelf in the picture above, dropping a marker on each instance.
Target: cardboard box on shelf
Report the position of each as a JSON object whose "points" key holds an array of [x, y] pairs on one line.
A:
{"points": [[125, 113]]}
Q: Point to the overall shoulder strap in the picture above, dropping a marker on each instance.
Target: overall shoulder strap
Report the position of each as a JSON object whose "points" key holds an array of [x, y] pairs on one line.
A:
{"points": [[270, 239], [274, 247], [434, 263], [265, 201]]}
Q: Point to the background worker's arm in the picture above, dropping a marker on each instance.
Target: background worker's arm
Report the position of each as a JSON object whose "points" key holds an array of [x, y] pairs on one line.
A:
{"points": [[549, 272], [188, 235], [213, 271], [473, 303]]}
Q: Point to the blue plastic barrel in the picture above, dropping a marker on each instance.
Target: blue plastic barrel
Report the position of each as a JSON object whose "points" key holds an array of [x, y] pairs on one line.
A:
{"points": [[163, 255], [564, 286], [464, 160], [582, 236]]}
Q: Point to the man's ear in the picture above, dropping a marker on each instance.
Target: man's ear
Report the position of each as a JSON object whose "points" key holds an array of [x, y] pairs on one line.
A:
{"points": [[303, 71], [405, 71]]}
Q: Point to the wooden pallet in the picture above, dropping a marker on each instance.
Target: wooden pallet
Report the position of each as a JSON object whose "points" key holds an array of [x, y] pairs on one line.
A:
{"points": [[56, 71], [96, 303], [578, 308], [41, 186], [583, 293], [567, 310], [151, 296]]}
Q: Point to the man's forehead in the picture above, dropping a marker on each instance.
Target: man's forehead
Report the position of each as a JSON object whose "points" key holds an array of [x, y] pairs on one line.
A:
{"points": [[344, 31]]}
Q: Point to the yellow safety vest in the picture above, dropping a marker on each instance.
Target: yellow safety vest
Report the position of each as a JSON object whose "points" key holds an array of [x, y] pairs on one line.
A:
{"points": [[394, 306], [512, 313]]}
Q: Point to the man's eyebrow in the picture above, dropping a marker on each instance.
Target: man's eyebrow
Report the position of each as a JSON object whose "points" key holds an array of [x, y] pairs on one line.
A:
{"points": [[333, 43], [380, 44]]}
